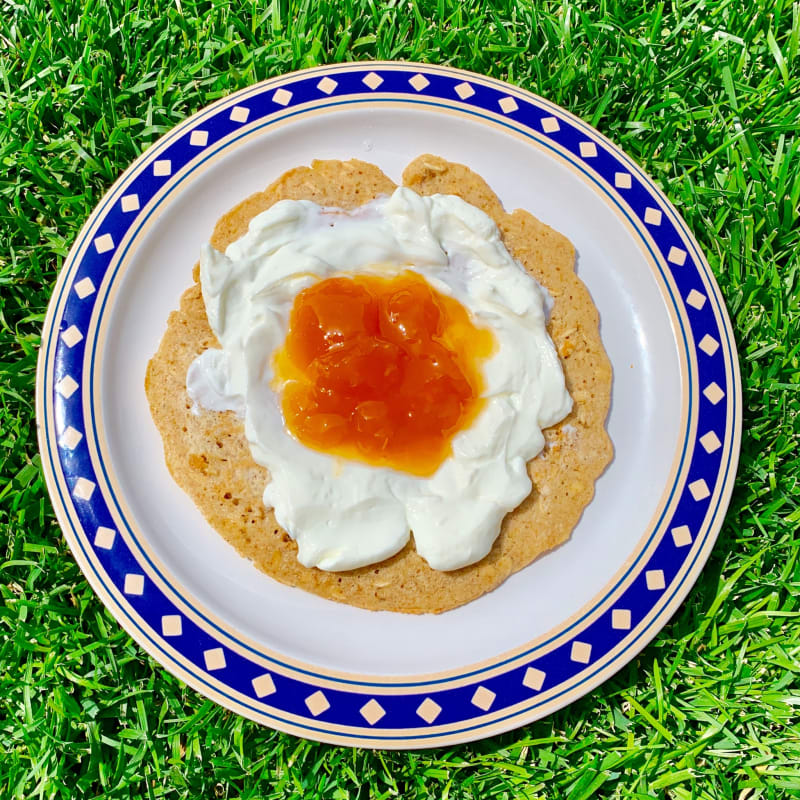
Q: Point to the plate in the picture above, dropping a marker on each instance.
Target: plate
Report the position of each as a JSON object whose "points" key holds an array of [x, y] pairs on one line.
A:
{"points": [[327, 671]]}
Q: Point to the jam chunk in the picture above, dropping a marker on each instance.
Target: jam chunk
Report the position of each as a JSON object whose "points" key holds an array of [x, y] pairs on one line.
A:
{"points": [[383, 370]]}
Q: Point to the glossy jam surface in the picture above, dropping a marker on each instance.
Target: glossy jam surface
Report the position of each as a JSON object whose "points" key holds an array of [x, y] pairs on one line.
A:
{"points": [[382, 370]]}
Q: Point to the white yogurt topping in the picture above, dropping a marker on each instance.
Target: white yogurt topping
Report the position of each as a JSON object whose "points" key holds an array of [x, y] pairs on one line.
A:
{"points": [[346, 514]]}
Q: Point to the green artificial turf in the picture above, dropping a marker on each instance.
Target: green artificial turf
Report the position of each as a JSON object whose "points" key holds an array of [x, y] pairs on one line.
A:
{"points": [[706, 97]]}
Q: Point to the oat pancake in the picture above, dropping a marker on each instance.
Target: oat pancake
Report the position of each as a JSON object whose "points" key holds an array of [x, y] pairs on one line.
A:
{"points": [[209, 457]]}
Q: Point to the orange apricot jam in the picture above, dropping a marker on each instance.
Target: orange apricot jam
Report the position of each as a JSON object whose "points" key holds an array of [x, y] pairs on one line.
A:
{"points": [[384, 370]]}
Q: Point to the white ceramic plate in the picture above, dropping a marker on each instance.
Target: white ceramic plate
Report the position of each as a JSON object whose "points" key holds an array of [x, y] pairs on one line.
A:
{"points": [[320, 669]]}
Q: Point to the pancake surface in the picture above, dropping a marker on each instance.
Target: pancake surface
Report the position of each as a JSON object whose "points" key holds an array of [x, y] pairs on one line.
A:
{"points": [[209, 457]]}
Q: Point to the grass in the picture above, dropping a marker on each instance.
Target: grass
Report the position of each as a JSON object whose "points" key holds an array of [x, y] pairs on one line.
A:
{"points": [[706, 96]]}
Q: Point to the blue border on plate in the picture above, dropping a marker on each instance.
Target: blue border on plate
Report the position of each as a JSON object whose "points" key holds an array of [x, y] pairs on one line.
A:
{"points": [[401, 711]]}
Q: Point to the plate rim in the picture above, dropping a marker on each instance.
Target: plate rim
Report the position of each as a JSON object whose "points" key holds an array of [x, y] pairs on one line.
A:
{"points": [[66, 520]]}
